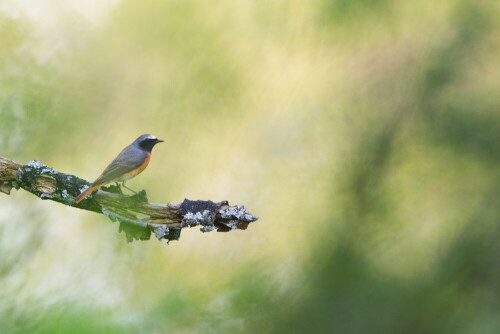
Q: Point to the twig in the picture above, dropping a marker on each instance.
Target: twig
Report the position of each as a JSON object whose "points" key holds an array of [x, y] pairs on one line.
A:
{"points": [[137, 217]]}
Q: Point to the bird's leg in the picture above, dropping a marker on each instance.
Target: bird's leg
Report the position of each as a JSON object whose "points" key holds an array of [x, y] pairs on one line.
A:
{"points": [[119, 187], [135, 192]]}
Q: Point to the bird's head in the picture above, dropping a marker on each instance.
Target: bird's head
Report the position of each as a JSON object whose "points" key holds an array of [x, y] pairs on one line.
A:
{"points": [[146, 142]]}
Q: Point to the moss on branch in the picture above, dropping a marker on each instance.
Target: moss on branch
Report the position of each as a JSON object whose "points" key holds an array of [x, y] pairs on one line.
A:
{"points": [[137, 217]]}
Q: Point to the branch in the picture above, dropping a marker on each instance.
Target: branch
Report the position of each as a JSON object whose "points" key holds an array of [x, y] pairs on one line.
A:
{"points": [[137, 217]]}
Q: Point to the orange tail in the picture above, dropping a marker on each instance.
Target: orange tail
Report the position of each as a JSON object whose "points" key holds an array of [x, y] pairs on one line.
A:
{"points": [[87, 192]]}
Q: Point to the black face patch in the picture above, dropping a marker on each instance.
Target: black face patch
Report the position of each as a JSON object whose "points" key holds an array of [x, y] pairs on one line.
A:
{"points": [[148, 143]]}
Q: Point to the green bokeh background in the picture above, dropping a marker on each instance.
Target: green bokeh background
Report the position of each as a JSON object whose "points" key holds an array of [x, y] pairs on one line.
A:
{"points": [[363, 133]]}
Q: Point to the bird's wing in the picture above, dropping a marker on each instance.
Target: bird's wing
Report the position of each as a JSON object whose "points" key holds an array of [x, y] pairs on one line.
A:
{"points": [[128, 160]]}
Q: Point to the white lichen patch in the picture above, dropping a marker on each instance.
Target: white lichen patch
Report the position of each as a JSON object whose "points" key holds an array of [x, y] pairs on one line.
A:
{"points": [[198, 218], [161, 231], [48, 170], [35, 164], [18, 174], [237, 212], [83, 188], [207, 228], [233, 224]]}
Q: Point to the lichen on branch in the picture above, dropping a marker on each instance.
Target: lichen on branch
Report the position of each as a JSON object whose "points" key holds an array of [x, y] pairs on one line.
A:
{"points": [[137, 217]]}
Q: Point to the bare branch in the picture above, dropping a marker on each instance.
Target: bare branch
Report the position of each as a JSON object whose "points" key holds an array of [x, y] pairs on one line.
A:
{"points": [[137, 217]]}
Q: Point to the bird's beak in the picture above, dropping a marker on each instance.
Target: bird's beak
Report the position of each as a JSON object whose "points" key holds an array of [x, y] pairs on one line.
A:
{"points": [[159, 141]]}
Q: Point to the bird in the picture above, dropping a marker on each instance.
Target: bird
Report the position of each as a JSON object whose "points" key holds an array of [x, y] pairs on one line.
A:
{"points": [[131, 161]]}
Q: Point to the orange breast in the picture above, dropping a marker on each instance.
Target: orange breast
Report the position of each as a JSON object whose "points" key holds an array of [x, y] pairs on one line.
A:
{"points": [[139, 169]]}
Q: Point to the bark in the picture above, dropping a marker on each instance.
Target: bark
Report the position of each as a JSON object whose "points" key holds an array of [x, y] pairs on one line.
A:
{"points": [[138, 218]]}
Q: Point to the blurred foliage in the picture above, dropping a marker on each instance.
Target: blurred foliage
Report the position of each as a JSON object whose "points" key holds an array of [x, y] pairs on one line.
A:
{"points": [[363, 133]]}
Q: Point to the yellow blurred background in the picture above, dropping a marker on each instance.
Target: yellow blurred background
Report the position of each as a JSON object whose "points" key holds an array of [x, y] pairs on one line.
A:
{"points": [[363, 133]]}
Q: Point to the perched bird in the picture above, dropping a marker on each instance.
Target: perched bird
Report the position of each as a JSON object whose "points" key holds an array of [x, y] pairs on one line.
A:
{"points": [[130, 162]]}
